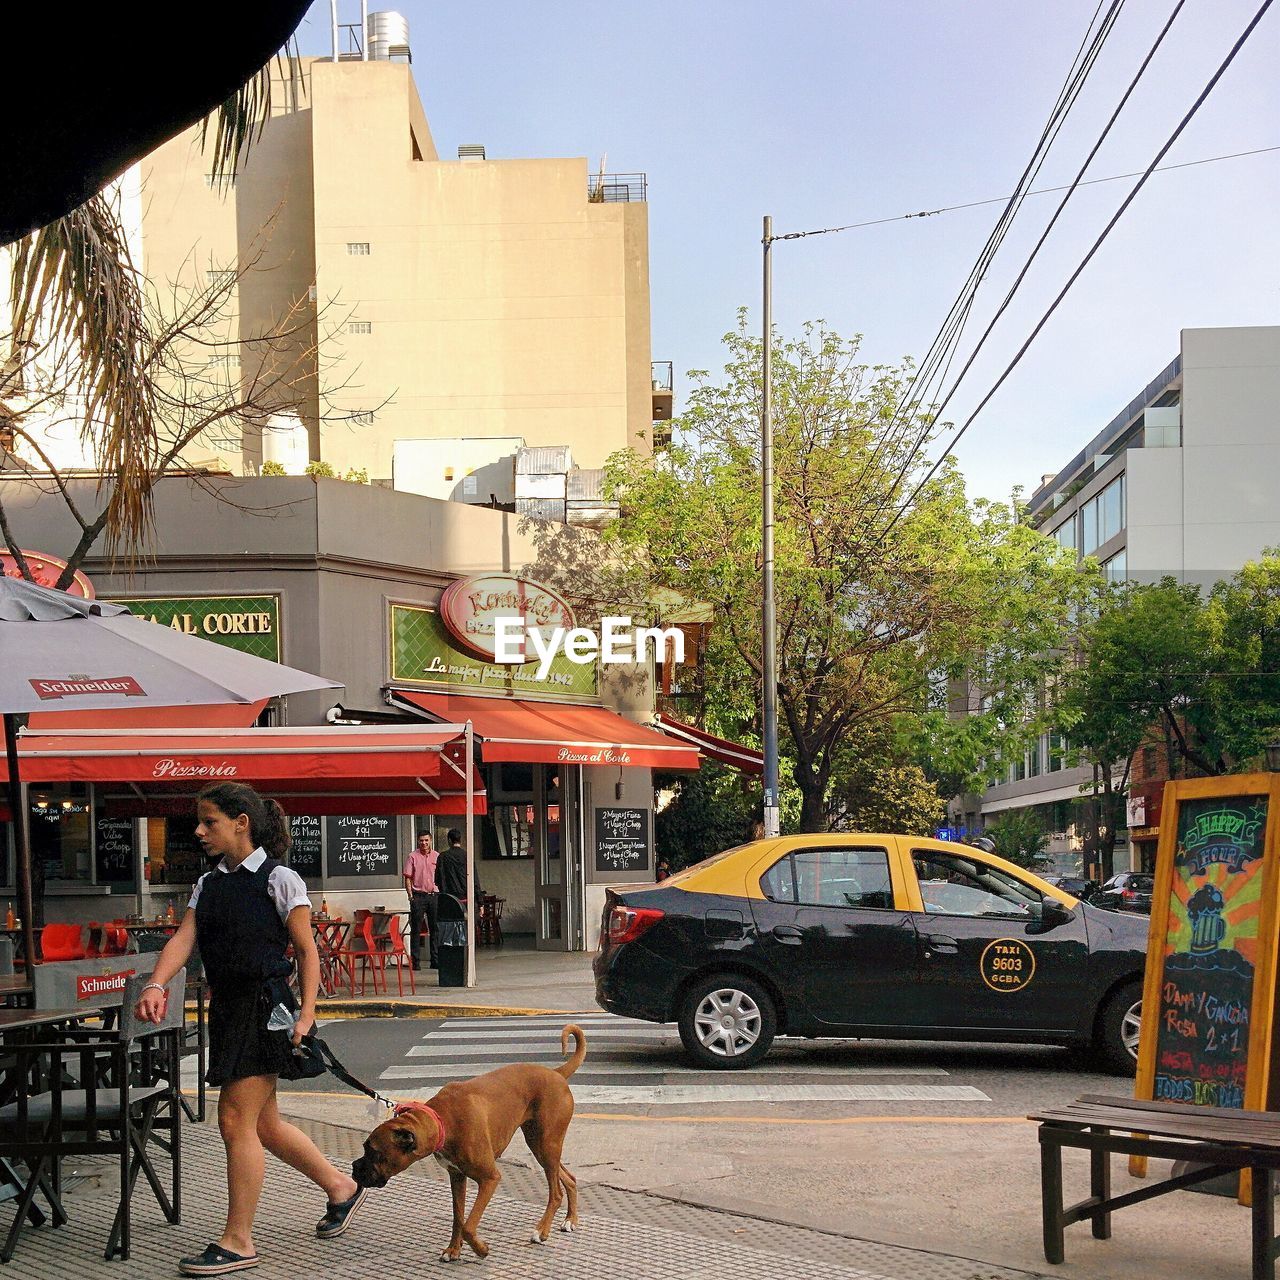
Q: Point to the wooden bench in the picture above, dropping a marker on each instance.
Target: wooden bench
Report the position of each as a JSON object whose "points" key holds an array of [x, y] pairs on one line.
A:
{"points": [[1216, 1140]]}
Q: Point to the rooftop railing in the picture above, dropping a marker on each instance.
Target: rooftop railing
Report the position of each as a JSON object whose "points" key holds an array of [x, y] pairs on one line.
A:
{"points": [[617, 188]]}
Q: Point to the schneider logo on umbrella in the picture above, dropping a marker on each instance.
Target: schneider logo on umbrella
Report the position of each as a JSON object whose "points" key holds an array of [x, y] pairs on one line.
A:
{"points": [[77, 686]]}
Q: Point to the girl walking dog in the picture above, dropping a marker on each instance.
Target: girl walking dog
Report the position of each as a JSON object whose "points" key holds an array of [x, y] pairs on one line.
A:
{"points": [[244, 914]]}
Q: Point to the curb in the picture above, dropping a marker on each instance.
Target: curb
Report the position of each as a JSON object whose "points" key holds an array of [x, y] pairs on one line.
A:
{"points": [[405, 1009]]}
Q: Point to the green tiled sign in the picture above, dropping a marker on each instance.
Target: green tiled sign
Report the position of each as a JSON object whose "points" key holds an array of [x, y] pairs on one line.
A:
{"points": [[422, 654], [248, 623]]}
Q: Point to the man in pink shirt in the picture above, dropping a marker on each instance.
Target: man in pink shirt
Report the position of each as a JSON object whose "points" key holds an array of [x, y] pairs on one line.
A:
{"points": [[420, 884]]}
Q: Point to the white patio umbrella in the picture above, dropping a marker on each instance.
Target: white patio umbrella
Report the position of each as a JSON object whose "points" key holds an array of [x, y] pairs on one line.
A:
{"points": [[63, 653]]}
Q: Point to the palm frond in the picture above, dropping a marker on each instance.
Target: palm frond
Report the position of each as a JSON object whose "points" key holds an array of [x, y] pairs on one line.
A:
{"points": [[239, 121], [76, 281]]}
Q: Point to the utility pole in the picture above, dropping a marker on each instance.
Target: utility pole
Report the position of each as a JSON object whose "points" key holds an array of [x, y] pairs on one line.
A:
{"points": [[769, 673]]}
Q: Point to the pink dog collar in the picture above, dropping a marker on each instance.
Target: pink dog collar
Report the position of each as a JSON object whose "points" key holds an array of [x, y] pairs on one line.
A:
{"points": [[402, 1108]]}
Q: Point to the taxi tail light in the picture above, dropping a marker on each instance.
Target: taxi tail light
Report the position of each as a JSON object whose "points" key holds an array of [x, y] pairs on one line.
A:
{"points": [[626, 924], [1129, 894]]}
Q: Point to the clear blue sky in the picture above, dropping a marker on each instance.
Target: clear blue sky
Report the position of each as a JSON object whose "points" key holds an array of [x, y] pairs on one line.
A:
{"points": [[822, 112]]}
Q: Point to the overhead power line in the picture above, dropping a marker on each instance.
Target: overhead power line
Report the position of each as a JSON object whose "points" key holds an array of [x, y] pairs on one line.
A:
{"points": [[1084, 262], [936, 363], [1039, 191]]}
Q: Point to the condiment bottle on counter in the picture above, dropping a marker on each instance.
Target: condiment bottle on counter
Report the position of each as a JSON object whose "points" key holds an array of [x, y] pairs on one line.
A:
{"points": [[169, 915], [10, 922], [324, 905]]}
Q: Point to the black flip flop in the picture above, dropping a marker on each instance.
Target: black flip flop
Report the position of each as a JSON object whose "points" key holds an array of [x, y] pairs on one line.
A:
{"points": [[337, 1217], [216, 1261]]}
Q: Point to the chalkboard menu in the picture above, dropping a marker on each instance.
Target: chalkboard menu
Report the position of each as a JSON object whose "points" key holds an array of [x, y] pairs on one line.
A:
{"points": [[114, 849], [362, 847], [304, 852], [1210, 951], [185, 860], [622, 839]]}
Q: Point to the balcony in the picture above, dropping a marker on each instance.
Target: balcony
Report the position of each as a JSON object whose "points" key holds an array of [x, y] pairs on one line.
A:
{"points": [[617, 188], [663, 382]]}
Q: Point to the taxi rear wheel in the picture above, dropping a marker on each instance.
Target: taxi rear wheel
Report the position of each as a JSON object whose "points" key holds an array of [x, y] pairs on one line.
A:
{"points": [[727, 1022], [1119, 1029]]}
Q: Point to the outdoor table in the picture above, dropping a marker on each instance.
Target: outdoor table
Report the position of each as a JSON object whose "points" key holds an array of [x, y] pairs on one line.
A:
{"points": [[331, 937]]}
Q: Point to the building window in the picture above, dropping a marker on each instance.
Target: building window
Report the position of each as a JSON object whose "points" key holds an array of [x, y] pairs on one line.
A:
{"points": [[1115, 568], [358, 248], [359, 326], [220, 276], [59, 818], [215, 182], [1057, 752], [1150, 761], [363, 418], [1065, 534], [1033, 760], [223, 360], [1102, 517]]}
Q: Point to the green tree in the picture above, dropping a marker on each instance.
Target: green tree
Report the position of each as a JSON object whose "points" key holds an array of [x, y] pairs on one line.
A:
{"points": [[710, 811], [885, 595], [1019, 837]]}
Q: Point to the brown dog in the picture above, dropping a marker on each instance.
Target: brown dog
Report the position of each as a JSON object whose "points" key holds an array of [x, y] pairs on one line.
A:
{"points": [[467, 1126]]}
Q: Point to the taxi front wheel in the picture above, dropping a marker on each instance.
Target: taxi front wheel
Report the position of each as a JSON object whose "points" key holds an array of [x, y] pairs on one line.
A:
{"points": [[727, 1022], [1119, 1029]]}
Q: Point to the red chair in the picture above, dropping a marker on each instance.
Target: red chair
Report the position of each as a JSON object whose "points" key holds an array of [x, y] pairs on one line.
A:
{"points": [[362, 945], [61, 942], [398, 954]]}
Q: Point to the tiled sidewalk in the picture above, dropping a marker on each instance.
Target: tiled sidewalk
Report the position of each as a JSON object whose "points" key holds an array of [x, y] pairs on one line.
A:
{"points": [[403, 1227]]}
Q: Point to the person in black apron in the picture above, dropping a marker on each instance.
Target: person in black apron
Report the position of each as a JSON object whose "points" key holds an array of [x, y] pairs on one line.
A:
{"points": [[244, 914]]}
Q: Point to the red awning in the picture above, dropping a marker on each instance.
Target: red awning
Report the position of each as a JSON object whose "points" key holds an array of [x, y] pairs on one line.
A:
{"points": [[385, 770], [552, 732], [734, 754], [222, 715]]}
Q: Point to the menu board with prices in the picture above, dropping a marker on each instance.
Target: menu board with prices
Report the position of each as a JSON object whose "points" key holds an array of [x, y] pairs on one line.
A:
{"points": [[362, 846], [114, 849], [305, 832], [622, 840]]}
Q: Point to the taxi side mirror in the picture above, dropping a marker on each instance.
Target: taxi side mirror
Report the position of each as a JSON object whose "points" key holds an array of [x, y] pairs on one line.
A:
{"points": [[1053, 912]]}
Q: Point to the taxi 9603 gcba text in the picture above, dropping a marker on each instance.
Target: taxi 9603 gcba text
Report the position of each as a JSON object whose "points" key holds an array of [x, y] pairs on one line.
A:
{"points": [[870, 936]]}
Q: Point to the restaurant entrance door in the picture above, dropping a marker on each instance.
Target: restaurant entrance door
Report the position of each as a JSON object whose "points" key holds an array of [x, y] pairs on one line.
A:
{"points": [[557, 888]]}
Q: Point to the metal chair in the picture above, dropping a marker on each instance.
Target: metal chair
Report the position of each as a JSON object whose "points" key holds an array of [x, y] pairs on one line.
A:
{"points": [[108, 1091]]}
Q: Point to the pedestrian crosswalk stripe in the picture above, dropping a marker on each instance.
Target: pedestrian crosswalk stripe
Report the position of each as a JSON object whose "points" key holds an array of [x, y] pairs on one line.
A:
{"points": [[461, 1067], [647, 1030], [539, 1023], [642, 1057], [693, 1094]]}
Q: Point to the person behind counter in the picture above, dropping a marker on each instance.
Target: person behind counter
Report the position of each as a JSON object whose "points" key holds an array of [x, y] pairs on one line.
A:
{"points": [[244, 914]]}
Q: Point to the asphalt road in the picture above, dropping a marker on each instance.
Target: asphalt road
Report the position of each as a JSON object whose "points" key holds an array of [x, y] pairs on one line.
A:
{"points": [[634, 1066]]}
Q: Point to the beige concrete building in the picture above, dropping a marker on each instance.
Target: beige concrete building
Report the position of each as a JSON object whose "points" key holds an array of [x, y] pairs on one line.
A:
{"points": [[434, 298]]}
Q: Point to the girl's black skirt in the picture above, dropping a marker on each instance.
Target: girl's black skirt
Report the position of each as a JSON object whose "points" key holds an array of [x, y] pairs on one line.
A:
{"points": [[240, 1044]]}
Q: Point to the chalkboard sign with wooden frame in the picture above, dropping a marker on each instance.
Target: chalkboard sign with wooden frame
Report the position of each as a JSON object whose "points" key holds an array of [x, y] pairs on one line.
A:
{"points": [[1208, 1001]]}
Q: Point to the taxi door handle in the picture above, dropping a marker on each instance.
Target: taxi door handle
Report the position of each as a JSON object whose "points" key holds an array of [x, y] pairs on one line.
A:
{"points": [[788, 933], [941, 944]]}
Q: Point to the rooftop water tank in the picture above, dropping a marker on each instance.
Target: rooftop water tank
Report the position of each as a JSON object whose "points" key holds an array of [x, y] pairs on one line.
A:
{"points": [[389, 37], [285, 440]]}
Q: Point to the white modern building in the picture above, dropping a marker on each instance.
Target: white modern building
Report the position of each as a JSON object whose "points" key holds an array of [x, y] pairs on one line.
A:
{"points": [[1182, 482]]}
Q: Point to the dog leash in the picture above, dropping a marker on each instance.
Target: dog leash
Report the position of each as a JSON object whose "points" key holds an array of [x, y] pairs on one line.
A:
{"points": [[313, 1047]]}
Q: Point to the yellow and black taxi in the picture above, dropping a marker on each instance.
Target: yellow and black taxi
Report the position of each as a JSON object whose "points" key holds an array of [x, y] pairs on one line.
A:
{"points": [[870, 936]]}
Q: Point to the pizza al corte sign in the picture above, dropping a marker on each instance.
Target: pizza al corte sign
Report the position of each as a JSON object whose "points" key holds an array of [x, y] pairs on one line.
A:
{"points": [[45, 571], [470, 609], [511, 621]]}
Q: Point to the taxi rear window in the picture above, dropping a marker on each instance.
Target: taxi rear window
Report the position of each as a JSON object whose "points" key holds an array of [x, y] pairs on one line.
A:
{"points": [[841, 877]]}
